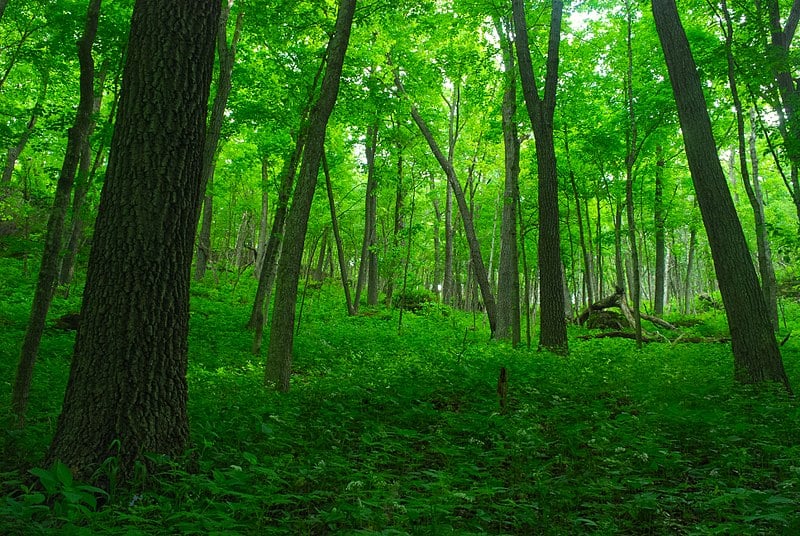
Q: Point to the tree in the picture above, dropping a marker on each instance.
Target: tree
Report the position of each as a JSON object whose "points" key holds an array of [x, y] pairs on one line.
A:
{"points": [[279, 355], [553, 325], [508, 316], [755, 350], [227, 55], [48, 270], [126, 393]]}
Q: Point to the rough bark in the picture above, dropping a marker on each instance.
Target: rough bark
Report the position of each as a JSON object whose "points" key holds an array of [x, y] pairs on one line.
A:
{"points": [[756, 354], [126, 394], [279, 356], [553, 326], [77, 137]]}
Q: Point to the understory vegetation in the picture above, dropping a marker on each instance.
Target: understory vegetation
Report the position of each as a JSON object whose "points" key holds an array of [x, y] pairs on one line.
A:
{"points": [[401, 432]]}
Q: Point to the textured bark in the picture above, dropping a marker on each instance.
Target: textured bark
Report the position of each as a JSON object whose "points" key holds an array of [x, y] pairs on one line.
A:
{"points": [[508, 315], [337, 238], [279, 356], [756, 354], [77, 138], [553, 326], [226, 54], [126, 394]]}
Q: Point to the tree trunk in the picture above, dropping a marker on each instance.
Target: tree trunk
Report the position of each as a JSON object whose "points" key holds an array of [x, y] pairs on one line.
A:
{"points": [[466, 217], [13, 152], [751, 184], [586, 250], [508, 315], [687, 286], [399, 202], [77, 137], [85, 182], [553, 326], [659, 218], [756, 354], [630, 159], [263, 221], [204, 239], [769, 286], [337, 237], [279, 356], [126, 394], [438, 281], [368, 267], [226, 55], [241, 253]]}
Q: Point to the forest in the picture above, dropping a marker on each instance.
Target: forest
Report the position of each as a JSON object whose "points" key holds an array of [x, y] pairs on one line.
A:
{"points": [[412, 267]]}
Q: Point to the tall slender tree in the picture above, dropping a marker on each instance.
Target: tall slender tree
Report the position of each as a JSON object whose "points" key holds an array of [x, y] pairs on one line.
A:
{"points": [[127, 391], [756, 354], [77, 138], [553, 325], [279, 355]]}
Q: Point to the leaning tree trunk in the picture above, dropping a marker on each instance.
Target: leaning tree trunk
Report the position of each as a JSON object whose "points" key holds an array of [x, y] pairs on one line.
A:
{"points": [[553, 325], [337, 238], [756, 354], [279, 356], [476, 258], [77, 137], [127, 393]]}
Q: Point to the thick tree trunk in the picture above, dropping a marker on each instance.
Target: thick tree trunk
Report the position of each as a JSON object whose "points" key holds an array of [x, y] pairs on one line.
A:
{"points": [[755, 350], [126, 394], [279, 356], [553, 326], [77, 138]]}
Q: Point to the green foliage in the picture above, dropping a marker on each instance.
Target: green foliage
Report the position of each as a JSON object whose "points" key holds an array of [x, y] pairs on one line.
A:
{"points": [[403, 434]]}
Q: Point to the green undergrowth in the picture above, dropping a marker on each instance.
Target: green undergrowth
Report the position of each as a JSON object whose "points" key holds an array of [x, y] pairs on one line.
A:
{"points": [[393, 432]]}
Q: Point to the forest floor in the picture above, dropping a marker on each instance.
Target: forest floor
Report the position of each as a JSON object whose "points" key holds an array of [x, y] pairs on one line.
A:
{"points": [[402, 433]]}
